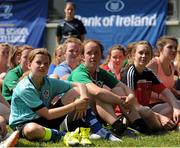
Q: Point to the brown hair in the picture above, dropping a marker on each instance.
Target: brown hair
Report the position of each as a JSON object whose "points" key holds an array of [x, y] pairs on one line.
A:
{"points": [[129, 54], [31, 57], [37, 51], [177, 60], [70, 3], [129, 49], [96, 42], [5, 45], [13, 53], [162, 41], [115, 47]]}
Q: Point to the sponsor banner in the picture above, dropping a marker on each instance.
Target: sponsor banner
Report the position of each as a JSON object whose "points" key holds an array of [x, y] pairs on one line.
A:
{"points": [[122, 21], [23, 21]]}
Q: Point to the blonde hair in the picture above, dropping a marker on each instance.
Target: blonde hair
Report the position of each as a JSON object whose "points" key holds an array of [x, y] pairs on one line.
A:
{"points": [[58, 48], [71, 40], [145, 43]]}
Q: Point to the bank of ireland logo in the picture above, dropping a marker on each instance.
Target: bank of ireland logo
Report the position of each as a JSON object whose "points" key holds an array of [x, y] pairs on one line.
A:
{"points": [[6, 10], [114, 5]]}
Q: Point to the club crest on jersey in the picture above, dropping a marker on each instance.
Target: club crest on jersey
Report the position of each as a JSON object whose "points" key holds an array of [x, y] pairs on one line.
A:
{"points": [[46, 94], [99, 83]]}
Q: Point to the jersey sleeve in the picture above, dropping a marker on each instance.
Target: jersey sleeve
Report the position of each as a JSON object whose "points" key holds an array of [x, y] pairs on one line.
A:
{"points": [[128, 77], [60, 86], [11, 80], [61, 71], [81, 77], [109, 79]]}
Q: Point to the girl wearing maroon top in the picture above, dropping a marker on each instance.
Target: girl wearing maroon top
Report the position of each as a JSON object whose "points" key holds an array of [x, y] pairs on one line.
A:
{"points": [[115, 58], [113, 64]]}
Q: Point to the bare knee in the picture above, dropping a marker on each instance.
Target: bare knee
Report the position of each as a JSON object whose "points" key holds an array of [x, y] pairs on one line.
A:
{"points": [[33, 131]]}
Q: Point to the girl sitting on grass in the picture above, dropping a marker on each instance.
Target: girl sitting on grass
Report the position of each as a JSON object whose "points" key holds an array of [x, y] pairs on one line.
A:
{"points": [[30, 108], [163, 65], [113, 64], [166, 115]]}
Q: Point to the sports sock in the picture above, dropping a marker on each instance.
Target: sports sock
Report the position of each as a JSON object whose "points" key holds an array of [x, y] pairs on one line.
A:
{"points": [[52, 134], [95, 125]]}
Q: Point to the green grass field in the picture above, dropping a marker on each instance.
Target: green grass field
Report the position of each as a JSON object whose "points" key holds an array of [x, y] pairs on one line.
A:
{"points": [[169, 139]]}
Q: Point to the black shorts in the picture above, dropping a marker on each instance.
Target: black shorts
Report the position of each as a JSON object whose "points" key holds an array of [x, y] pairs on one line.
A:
{"points": [[70, 125], [54, 123], [44, 122]]}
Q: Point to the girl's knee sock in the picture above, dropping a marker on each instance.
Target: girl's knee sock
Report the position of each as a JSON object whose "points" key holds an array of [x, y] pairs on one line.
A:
{"points": [[52, 134], [95, 125]]}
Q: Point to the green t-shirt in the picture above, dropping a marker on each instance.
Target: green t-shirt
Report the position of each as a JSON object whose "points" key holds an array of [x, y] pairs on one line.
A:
{"points": [[10, 81], [81, 74]]}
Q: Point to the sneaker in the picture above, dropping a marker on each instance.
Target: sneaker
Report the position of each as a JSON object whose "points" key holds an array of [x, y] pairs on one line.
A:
{"points": [[94, 136], [85, 134], [111, 137], [72, 138], [114, 138], [65, 138], [130, 132]]}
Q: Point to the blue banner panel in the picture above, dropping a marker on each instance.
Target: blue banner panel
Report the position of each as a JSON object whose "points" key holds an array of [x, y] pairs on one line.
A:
{"points": [[122, 21], [23, 21]]}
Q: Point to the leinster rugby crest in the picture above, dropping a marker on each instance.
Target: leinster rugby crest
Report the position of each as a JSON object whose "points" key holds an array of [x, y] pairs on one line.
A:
{"points": [[45, 94]]}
